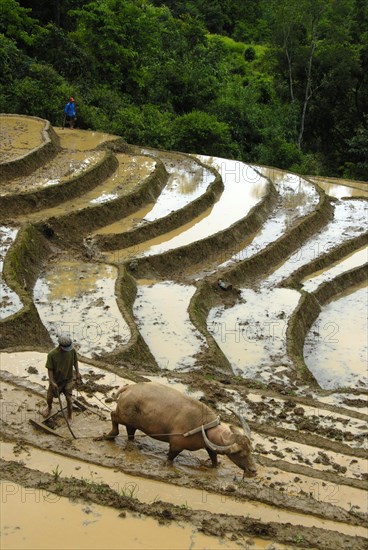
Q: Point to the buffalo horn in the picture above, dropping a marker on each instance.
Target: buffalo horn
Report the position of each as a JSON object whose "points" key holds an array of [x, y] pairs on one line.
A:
{"points": [[245, 426], [213, 446]]}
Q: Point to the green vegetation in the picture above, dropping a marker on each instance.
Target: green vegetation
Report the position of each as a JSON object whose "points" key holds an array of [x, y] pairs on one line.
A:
{"points": [[298, 539], [279, 82], [56, 473], [130, 490]]}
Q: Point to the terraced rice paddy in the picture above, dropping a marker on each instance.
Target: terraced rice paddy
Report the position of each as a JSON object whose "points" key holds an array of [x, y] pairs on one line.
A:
{"points": [[241, 286]]}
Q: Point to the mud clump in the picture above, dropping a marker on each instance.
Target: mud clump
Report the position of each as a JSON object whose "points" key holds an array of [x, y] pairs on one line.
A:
{"points": [[90, 386], [32, 370]]}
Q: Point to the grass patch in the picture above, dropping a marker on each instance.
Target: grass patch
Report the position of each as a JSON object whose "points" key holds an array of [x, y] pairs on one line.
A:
{"points": [[238, 47]]}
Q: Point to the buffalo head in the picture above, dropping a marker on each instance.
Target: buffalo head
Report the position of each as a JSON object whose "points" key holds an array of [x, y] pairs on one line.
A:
{"points": [[238, 448]]}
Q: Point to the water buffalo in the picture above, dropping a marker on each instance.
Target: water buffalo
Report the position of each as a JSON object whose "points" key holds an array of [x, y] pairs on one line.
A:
{"points": [[185, 423]]}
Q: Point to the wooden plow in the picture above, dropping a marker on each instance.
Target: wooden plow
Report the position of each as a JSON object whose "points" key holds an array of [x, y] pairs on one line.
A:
{"points": [[78, 405]]}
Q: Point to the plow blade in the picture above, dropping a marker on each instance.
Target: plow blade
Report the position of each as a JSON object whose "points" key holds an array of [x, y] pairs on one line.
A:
{"points": [[44, 428]]}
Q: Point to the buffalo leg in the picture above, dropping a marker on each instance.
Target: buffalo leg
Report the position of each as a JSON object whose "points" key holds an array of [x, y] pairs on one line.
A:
{"points": [[173, 452], [213, 457], [115, 427], [130, 431]]}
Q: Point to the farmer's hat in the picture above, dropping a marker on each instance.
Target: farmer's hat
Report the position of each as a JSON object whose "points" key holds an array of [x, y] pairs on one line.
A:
{"points": [[65, 342]]}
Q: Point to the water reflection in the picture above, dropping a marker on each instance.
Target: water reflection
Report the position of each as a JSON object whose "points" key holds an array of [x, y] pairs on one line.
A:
{"points": [[252, 334], [187, 181], [161, 312], [335, 353], [79, 298], [243, 188], [10, 302], [353, 260]]}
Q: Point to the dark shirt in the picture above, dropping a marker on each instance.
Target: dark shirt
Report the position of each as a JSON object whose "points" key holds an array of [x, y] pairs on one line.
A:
{"points": [[61, 363]]}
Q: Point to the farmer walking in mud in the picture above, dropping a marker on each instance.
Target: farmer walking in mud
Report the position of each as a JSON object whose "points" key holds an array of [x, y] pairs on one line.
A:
{"points": [[59, 364], [69, 112]]}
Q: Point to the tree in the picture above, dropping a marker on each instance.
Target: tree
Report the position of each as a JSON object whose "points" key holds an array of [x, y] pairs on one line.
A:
{"points": [[358, 148], [16, 23], [40, 93], [297, 26], [199, 132], [55, 47]]}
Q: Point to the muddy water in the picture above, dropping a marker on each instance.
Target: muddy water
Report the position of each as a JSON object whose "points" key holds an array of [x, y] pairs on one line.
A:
{"points": [[172, 338], [308, 454], [274, 406], [10, 302], [297, 197], [187, 181], [252, 334], [147, 491], [18, 136], [81, 140], [125, 224], [86, 526], [161, 313], [337, 494], [336, 347], [122, 255], [341, 188], [31, 366], [19, 363], [64, 167], [147, 451], [130, 172], [356, 402], [353, 260], [79, 298], [243, 189], [350, 219]]}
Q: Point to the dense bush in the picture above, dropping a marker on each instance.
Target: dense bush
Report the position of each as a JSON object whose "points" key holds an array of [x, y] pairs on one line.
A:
{"points": [[282, 82]]}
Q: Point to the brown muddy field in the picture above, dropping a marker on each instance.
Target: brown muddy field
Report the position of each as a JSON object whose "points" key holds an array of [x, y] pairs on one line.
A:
{"points": [[247, 313]]}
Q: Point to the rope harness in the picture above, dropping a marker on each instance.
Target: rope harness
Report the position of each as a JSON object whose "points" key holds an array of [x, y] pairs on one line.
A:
{"points": [[207, 426]]}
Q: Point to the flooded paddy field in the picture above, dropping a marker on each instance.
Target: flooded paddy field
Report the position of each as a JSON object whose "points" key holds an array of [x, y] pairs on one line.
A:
{"points": [[187, 181], [255, 304], [66, 165], [9, 300], [19, 136]]}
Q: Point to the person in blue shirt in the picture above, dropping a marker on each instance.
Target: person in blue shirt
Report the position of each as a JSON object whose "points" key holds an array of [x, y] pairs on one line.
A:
{"points": [[69, 111]]}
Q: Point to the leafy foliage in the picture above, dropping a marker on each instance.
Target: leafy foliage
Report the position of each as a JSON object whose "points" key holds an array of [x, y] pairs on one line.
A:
{"points": [[280, 82]]}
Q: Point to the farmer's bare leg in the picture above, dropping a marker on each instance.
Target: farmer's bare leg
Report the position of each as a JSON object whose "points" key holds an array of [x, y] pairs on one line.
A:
{"points": [[49, 398], [68, 391], [69, 406]]}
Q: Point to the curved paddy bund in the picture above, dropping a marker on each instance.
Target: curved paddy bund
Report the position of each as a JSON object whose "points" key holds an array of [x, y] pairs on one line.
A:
{"points": [[46, 240]]}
